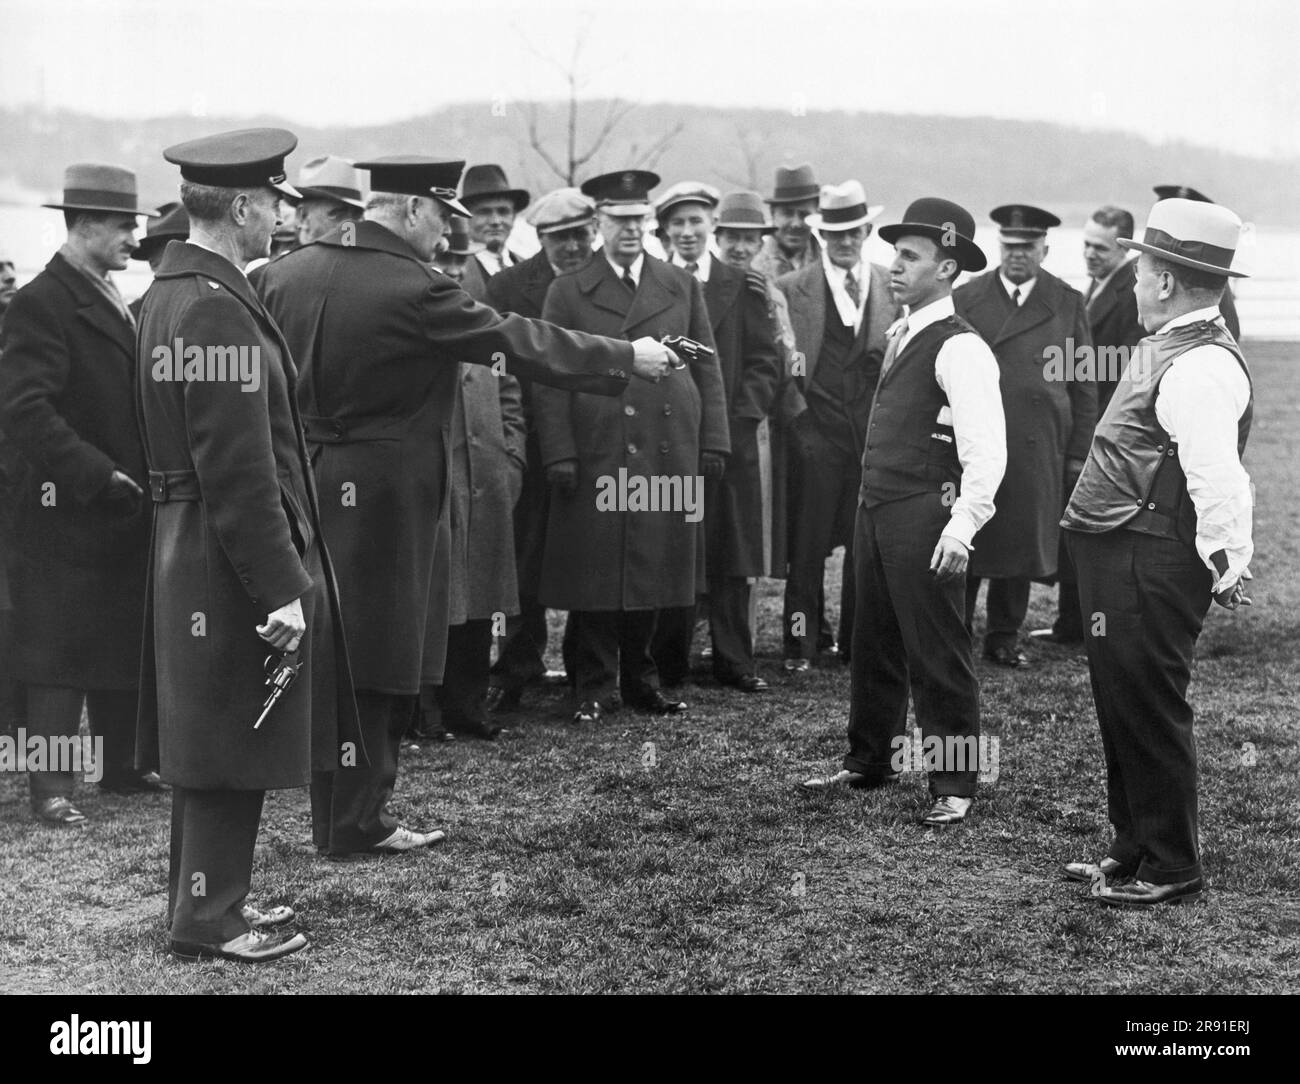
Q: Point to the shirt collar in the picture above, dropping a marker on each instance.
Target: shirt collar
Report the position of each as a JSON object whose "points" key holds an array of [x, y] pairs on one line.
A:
{"points": [[636, 267], [703, 265], [836, 274], [1025, 288], [938, 309], [1210, 314]]}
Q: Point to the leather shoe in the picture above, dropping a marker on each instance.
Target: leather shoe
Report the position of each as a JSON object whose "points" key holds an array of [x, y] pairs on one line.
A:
{"points": [[656, 703], [261, 920], [797, 666], [1051, 636], [503, 701], [554, 677], [403, 840], [1109, 868], [592, 711], [254, 947], [143, 783], [471, 728], [947, 809], [1012, 657], [749, 683], [58, 811], [1145, 894], [852, 780]]}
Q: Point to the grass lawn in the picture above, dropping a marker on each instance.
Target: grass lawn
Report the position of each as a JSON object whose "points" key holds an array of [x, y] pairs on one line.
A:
{"points": [[589, 861]]}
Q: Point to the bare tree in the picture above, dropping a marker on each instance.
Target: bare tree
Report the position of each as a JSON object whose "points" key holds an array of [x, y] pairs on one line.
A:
{"points": [[750, 142]]}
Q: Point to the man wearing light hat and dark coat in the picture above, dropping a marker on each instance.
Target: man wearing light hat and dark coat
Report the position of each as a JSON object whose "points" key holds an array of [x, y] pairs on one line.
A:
{"points": [[792, 244], [1158, 525], [1228, 306], [733, 504], [331, 189], [935, 453], [613, 565], [380, 335], [81, 514], [565, 224], [238, 571], [1028, 316], [840, 308]]}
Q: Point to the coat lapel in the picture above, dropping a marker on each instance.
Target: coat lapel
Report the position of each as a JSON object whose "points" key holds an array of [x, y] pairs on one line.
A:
{"points": [[654, 294], [808, 314], [1037, 309], [603, 289], [540, 277], [92, 307], [720, 294]]}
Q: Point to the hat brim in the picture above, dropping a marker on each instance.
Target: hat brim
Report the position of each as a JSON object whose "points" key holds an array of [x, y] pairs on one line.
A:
{"points": [[100, 209], [518, 196], [1198, 265], [150, 245], [744, 226], [626, 210], [816, 222], [970, 257], [307, 192], [453, 205], [663, 209], [285, 189], [774, 200]]}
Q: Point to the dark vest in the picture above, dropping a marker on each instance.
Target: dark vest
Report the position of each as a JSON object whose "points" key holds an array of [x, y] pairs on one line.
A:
{"points": [[1132, 478], [839, 393], [908, 452]]}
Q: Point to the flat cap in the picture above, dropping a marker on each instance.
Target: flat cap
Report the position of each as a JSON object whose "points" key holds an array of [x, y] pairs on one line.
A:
{"points": [[248, 158], [561, 210], [687, 192]]}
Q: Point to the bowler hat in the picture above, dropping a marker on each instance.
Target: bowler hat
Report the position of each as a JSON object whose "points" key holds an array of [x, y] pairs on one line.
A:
{"points": [[843, 207], [247, 158], [561, 210], [172, 224], [90, 186], [794, 184], [331, 178], [1192, 233], [625, 192], [743, 211], [490, 180], [945, 222]]}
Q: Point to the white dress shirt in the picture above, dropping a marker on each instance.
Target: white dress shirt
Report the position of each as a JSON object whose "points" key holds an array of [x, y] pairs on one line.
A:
{"points": [[636, 267], [968, 373], [850, 315], [494, 261], [702, 266], [1025, 287], [1199, 402]]}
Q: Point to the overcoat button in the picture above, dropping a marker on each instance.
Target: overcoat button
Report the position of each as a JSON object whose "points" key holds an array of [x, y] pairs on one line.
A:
{"points": [[631, 449], [629, 410], [663, 446]]}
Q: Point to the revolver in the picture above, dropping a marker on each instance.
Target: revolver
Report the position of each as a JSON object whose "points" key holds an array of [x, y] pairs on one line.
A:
{"points": [[281, 673], [687, 350]]}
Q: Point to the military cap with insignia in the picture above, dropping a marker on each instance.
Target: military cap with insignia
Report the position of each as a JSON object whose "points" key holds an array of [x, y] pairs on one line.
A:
{"points": [[332, 178], [416, 175], [626, 192], [247, 158], [687, 192], [1020, 222], [173, 224], [1180, 191], [561, 210]]}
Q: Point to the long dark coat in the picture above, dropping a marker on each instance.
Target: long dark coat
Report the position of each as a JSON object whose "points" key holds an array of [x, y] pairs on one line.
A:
{"points": [[744, 338], [380, 336], [522, 289], [78, 585], [1048, 421], [236, 535], [612, 560], [1113, 321]]}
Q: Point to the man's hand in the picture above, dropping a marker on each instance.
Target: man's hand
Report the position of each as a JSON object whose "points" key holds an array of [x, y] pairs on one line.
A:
{"points": [[713, 465], [651, 360], [1235, 594], [284, 627], [122, 487], [1073, 468], [515, 470], [949, 559], [563, 477]]}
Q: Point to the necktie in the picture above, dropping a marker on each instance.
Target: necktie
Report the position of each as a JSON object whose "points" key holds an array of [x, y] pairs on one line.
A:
{"points": [[1015, 297], [628, 280], [891, 351], [1091, 295], [692, 268], [851, 288]]}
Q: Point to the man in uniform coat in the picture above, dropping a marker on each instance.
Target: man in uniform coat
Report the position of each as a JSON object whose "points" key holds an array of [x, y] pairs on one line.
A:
{"points": [[841, 308], [1158, 525], [81, 520], [380, 335], [565, 225], [614, 556], [733, 505], [1116, 331], [238, 574], [1036, 326]]}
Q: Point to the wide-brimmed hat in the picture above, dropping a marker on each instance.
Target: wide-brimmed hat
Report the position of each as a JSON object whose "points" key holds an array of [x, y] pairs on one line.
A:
{"points": [[842, 207], [794, 184], [246, 158], [172, 224], [625, 192], [1192, 233], [945, 222], [331, 178], [490, 180], [458, 239], [561, 210], [743, 211], [1021, 222], [687, 192], [416, 175], [91, 186]]}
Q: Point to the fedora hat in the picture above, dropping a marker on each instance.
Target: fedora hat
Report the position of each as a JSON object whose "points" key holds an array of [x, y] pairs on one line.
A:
{"points": [[458, 241], [794, 184], [172, 224], [490, 180], [842, 207], [331, 178], [91, 186], [1193, 234], [743, 211], [945, 222]]}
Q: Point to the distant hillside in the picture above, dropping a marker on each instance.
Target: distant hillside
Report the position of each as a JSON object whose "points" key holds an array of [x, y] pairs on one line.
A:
{"points": [[980, 162]]}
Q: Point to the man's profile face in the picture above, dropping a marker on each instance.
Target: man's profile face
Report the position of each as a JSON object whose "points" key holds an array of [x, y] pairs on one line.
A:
{"points": [[491, 220], [1146, 290], [1022, 259], [738, 247], [263, 219], [109, 240], [623, 236], [914, 273], [844, 247], [1101, 251], [687, 227], [8, 282], [569, 249], [790, 219]]}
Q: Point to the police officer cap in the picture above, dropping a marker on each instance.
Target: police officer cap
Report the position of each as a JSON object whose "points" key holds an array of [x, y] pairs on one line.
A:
{"points": [[415, 175], [248, 158], [1021, 222], [625, 192]]}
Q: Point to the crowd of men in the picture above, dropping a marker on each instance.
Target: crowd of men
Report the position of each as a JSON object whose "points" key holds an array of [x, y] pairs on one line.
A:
{"points": [[362, 462]]}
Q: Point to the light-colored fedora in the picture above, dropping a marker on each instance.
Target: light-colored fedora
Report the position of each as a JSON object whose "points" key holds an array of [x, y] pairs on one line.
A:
{"points": [[1193, 234], [843, 207], [333, 178]]}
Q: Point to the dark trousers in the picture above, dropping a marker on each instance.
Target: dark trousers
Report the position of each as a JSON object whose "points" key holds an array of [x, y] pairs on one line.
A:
{"points": [[823, 504], [729, 628], [612, 650], [1069, 615], [1008, 602], [522, 660], [213, 836], [465, 677], [13, 697], [55, 712], [670, 645], [349, 807], [909, 632], [1150, 596]]}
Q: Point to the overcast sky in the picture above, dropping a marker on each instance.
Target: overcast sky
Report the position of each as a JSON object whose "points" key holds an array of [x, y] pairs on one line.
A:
{"points": [[1214, 72]]}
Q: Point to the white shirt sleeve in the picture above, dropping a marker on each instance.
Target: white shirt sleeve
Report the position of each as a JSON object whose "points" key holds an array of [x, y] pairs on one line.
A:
{"points": [[968, 373], [1200, 400]]}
